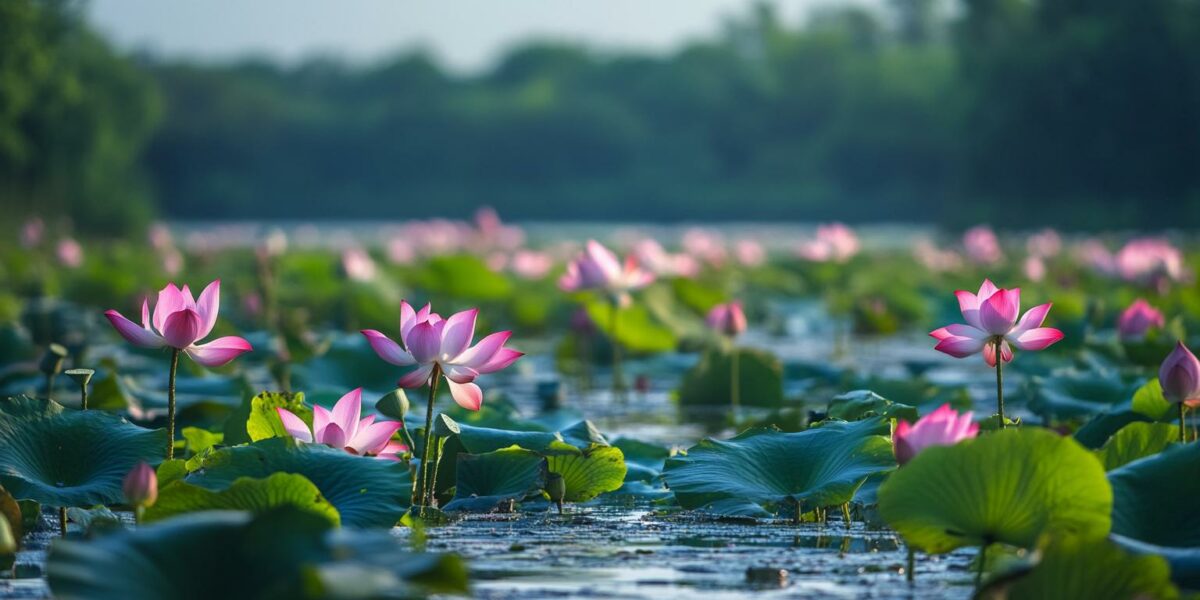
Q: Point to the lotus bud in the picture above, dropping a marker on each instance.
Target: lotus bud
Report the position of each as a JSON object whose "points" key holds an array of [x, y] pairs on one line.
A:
{"points": [[81, 377], [394, 405], [556, 488], [141, 486], [1138, 319], [1180, 376], [727, 319], [942, 427]]}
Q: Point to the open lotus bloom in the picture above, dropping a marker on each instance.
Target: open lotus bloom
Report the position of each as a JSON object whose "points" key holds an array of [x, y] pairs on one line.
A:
{"points": [[991, 316], [942, 427], [597, 268], [179, 321], [727, 319], [342, 428], [1138, 319], [1180, 376], [429, 341]]}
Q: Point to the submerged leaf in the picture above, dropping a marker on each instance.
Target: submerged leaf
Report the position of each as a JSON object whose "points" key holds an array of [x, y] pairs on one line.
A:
{"points": [[819, 467]]}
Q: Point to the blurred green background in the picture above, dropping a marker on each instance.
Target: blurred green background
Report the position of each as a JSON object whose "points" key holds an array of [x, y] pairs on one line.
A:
{"points": [[1080, 114]]}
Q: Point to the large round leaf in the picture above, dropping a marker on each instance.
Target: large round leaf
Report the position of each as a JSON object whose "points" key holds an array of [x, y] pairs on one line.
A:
{"points": [[709, 383], [1154, 499], [588, 472], [283, 553], [1136, 440], [367, 492], [1096, 569], [765, 467], [487, 480], [1010, 486], [255, 495], [70, 458]]}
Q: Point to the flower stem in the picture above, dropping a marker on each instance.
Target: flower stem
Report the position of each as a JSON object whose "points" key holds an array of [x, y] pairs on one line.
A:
{"points": [[999, 384], [911, 568], [83, 396], [735, 383], [62, 521], [1182, 424], [982, 558], [171, 404], [618, 378], [426, 494], [50, 387], [438, 442]]}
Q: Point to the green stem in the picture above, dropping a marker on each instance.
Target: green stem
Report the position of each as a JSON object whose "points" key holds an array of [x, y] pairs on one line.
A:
{"points": [[999, 384], [1182, 423], [911, 567], [171, 404], [438, 442], [83, 396], [982, 558], [618, 378], [62, 521], [433, 383], [408, 439], [735, 396], [50, 387]]}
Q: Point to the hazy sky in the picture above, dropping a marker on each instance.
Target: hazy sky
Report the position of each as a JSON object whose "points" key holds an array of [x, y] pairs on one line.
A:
{"points": [[464, 34]]}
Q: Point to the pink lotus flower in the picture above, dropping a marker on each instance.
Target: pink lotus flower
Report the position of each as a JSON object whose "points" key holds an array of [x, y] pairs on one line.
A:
{"points": [[430, 343], [657, 260], [834, 242], [1180, 376], [141, 486], [1034, 268], [750, 253], [531, 264], [358, 265], [1045, 243], [727, 319], [70, 253], [991, 315], [343, 429], [179, 322], [982, 246], [942, 427], [1138, 319], [1146, 259], [934, 258], [597, 268]]}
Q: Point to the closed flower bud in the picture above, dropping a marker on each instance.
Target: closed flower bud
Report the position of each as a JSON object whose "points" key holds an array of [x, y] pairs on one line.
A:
{"points": [[141, 486], [1180, 376]]}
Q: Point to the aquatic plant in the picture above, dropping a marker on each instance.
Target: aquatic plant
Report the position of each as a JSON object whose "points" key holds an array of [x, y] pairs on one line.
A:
{"points": [[942, 427], [179, 321], [140, 488], [342, 428], [442, 348], [1138, 319], [992, 328], [729, 320], [1179, 376]]}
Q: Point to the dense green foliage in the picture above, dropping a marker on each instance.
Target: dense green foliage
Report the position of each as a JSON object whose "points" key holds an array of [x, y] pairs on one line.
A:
{"points": [[894, 114]]}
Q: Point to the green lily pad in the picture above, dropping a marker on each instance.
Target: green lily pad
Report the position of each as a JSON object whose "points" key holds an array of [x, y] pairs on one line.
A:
{"points": [[1136, 440], [264, 421], [70, 458], [1011, 486], [1149, 401], [588, 472], [1184, 562], [1154, 498], [1096, 432], [255, 495], [489, 479], [283, 553], [861, 404], [198, 440], [583, 434], [1076, 393], [819, 467], [637, 330], [10, 511], [367, 492], [462, 276], [709, 382], [1072, 567]]}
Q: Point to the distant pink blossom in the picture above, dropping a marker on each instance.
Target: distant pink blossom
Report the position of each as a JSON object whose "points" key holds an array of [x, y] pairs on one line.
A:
{"points": [[1046, 243], [1141, 260], [400, 251], [496, 261], [727, 319], [343, 429], [704, 245], [991, 316], [160, 236], [936, 259], [1137, 320], [658, 261], [70, 253], [430, 342], [531, 264], [597, 268], [749, 253], [179, 322], [942, 427], [32, 232], [1034, 267], [982, 245], [833, 242], [172, 262], [358, 265]]}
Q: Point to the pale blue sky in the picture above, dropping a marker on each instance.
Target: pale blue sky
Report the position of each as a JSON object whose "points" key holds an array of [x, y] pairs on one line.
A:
{"points": [[464, 34]]}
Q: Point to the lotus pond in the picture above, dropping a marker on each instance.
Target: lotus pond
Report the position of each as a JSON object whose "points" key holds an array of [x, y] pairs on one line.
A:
{"points": [[450, 408]]}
